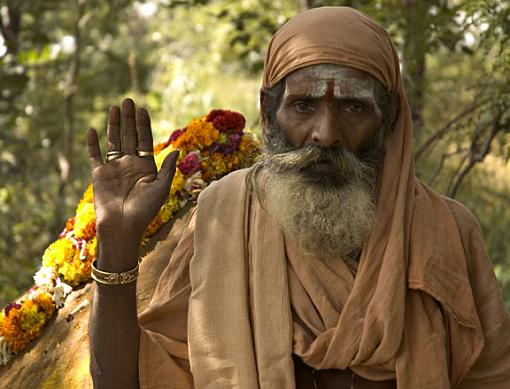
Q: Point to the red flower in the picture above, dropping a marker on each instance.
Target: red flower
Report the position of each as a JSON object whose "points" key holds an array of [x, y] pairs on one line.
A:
{"points": [[10, 306], [225, 120], [175, 135], [189, 164]]}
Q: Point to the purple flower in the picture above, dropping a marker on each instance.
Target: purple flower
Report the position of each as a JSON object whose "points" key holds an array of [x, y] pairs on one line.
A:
{"points": [[234, 140], [10, 306], [175, 135], [189, 164], [230, 147]]}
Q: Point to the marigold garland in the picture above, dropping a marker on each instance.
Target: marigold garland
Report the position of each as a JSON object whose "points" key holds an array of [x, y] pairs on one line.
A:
{"points": [[21, 322], [210, 147]]}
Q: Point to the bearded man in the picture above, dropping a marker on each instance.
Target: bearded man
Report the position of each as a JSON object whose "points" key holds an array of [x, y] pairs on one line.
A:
{"points": [[326, 265]]}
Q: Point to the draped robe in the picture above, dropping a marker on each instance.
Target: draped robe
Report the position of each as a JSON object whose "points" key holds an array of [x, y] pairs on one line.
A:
{"points": [[268, 300]]}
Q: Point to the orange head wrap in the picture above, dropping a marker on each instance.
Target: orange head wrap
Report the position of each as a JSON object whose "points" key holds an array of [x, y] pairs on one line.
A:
{"points": [[337, 35]]}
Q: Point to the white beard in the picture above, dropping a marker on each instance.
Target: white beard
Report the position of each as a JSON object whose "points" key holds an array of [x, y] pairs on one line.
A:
{"points": [[331, 214], [326, 221]]}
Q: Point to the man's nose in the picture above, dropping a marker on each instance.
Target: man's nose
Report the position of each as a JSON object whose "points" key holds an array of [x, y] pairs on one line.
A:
{"points": [[327, 131]]}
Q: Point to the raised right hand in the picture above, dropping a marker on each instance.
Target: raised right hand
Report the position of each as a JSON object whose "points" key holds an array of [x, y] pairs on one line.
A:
{"points": [[128, 191]]}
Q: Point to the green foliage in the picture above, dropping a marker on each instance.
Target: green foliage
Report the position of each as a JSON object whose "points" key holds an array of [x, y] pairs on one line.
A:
{"points": [[62, 63], [34, 78]]}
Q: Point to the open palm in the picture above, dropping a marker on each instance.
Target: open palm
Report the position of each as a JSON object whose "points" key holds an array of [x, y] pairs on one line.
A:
{"points": [[128, 189]]}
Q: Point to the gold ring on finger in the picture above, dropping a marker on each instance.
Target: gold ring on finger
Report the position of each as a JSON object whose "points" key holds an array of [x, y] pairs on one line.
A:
{"points": [[144, 153], [111, 155]]}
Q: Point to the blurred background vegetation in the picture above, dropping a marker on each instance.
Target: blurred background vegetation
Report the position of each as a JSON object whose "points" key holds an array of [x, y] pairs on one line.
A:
{"points": [[63, 62]]}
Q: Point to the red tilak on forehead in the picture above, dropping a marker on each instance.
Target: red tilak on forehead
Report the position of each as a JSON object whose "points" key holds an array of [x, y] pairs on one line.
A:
{"points": [[331, 90]]}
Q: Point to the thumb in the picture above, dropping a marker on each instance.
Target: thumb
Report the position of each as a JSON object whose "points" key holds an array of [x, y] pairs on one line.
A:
{"points": [[167, 171]]}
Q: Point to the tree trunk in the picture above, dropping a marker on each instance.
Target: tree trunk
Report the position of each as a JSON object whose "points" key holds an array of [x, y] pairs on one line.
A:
{"points": [[10, 25], [133, 71], [415, 48], [65, 158], [305, 5]]}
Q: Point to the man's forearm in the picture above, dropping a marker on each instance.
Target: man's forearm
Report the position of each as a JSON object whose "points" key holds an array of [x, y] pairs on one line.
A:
{"points": [[114, 334]]}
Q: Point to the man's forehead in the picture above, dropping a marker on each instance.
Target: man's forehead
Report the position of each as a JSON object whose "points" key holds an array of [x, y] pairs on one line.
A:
{"points": [[340, 81]]}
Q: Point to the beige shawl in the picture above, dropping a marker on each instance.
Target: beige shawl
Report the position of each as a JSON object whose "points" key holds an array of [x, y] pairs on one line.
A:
{"points": [[240, 330]]}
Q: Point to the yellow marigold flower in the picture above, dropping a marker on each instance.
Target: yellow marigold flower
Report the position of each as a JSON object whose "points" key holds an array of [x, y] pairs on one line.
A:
{"points": [[173, 204], [166, 211], [178, 183], [85, 222], [45, 302], [58, 252], [76, 270], [88, 196], [32, 316]]}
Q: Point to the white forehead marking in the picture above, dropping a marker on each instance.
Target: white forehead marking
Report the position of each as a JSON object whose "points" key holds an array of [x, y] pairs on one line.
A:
{"points": [[344, 84]]}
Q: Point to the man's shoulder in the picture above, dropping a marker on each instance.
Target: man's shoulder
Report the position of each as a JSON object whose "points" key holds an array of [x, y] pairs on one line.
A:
{"points": [[221, 209], [230, 184], [466, 220], [227, 192], [469, 230], [453, 224]]}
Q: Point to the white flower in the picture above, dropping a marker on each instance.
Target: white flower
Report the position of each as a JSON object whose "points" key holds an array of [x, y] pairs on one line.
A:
{"points": [[60, 292], [46, 276], [48, 280], [5, 351], [195, 184]]}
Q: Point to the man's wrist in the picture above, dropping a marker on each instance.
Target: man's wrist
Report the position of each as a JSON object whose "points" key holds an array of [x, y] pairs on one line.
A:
{"points": [[118, 257]]}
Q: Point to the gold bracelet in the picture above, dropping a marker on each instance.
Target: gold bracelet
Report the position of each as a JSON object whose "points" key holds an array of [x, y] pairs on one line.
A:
{"points": [[108, 278]]}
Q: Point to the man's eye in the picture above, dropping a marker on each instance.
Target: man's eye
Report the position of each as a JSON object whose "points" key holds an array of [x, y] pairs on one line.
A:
{"points": [[302, 106], [353, 108]]}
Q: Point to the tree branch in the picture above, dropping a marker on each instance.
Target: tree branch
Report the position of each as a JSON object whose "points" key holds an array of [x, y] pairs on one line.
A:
{"points": [[441, 162], [442, 131], [476, 156]]}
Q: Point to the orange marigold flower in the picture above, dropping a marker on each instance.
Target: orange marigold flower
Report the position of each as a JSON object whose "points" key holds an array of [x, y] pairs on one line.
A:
{"points": [[70, 224], [197, 135], [26, 321]]}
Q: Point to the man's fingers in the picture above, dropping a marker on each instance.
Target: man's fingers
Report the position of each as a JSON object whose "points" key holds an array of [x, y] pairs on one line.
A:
{"points": [[143, 128], [93, 148], [113, 130], [128, 127], [167, 171]]}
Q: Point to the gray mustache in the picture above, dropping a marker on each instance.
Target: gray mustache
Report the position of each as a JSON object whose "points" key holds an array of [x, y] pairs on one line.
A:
{"points": [[345, 161]]}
